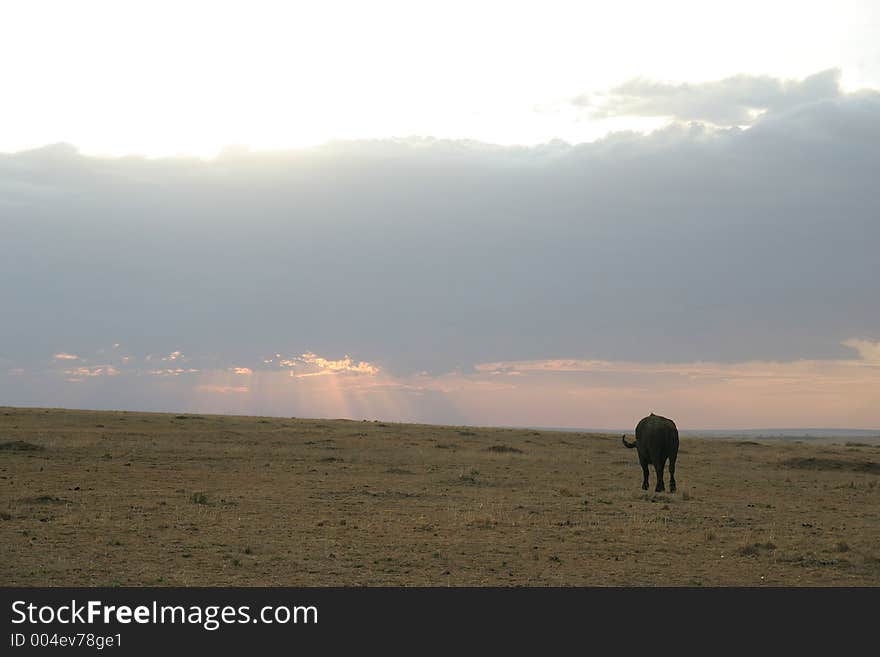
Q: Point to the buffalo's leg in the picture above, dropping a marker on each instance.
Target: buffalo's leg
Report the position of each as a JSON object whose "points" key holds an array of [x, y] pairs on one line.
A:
{"points": [[659, 465], [644, 463], [672, 474]]}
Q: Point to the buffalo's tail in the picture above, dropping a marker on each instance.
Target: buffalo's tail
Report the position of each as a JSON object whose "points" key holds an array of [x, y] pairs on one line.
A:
{"points": [[626, 444]]}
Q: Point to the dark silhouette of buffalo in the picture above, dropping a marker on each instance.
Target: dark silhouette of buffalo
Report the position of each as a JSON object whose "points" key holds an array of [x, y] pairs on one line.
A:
{"points": [[656, 440]]}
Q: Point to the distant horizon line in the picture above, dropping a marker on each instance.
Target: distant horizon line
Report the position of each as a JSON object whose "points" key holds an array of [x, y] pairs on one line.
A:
{"points": [[768, 432], [824, 432]]}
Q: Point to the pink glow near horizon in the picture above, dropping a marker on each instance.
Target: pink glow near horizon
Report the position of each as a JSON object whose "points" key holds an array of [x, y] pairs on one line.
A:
{"points": [[585, 393], [839, 393]]}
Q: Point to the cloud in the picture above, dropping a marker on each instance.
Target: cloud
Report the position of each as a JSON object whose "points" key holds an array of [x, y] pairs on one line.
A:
{"points": [[173, 371], [868, 350], [310, 364], [79, 373], [343, 365], [689, 245], [242, 370], [737, 100], [65, 356]]}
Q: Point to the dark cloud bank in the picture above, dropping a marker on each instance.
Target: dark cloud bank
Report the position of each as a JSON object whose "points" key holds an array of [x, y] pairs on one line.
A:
{"points": [[686, 244]]}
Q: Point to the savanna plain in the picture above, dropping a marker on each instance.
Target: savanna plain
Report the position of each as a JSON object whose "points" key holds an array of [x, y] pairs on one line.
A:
{"points": [[146, 499]]}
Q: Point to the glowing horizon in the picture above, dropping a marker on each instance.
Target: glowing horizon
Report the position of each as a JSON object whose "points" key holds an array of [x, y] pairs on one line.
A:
{"points": [[839, 393]]}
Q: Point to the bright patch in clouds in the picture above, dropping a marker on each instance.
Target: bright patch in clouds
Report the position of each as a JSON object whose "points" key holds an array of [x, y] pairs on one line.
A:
{"points": [[310, 364], [344, 365], [80, 373], [173, 371]]}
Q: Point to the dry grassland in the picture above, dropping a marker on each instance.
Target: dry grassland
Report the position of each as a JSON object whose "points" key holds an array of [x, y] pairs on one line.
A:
{"points": [[137, 499]]}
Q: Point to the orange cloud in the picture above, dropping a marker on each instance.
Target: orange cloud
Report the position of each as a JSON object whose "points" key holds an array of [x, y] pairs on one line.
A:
{"points": [[101, 370], [344, 365], [317, 365]]}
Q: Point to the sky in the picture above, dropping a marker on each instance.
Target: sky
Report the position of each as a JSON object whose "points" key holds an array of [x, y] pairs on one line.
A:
{"points": [[535, 214]]}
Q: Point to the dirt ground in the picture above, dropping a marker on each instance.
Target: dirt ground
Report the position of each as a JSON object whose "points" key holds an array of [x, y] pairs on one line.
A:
{"points": [[137, 499]]}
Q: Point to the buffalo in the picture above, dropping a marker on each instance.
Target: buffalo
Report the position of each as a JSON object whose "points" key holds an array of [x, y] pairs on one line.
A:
{"points": [[656, 440]]}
